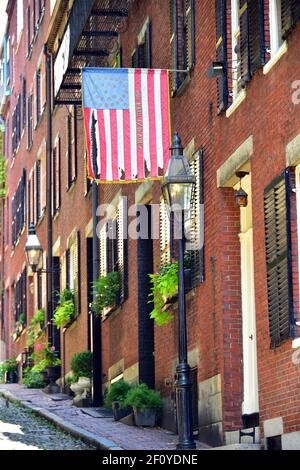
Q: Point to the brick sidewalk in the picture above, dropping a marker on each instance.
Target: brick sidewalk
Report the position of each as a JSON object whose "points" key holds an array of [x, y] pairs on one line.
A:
{"points": [[105, 429]]}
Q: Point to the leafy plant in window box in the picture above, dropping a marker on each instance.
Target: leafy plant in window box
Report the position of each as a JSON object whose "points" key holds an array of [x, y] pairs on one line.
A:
{"points": [[65, 310], [107, 292], [164, 290]]}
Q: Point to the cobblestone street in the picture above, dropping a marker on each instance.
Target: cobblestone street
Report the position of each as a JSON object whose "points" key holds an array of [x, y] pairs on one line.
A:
{"points": [[20, 429]]}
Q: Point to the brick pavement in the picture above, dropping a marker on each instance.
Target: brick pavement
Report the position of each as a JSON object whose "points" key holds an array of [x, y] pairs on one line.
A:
{"points": [[123, 436]]}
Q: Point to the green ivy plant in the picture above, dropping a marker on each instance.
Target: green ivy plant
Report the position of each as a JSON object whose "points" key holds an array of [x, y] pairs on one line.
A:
{"points": [[164, 286], [106, 290], [65, 310], [43, 357]]}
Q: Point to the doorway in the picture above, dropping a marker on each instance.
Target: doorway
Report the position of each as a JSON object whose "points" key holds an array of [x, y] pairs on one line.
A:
{"points": [[250, 400]]}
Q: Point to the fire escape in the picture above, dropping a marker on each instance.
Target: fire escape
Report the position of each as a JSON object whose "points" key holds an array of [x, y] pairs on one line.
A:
{"points": [[90, 39]]}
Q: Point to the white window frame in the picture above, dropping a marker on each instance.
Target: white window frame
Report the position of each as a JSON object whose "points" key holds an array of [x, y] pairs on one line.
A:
{"points": [[275, 26]]}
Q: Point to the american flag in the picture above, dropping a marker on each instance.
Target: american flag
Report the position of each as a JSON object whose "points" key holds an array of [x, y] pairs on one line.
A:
{"points": [[127, 123]]}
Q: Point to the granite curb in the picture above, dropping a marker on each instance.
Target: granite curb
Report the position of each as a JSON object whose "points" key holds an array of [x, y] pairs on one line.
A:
{"points": [[100, 443]]}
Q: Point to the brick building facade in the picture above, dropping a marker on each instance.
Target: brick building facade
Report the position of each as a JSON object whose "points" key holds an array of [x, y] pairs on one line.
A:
{"points": [[243, 307]]}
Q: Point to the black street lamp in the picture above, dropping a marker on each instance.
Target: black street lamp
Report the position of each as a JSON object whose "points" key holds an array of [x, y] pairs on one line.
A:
{"points": [[177, 188]]}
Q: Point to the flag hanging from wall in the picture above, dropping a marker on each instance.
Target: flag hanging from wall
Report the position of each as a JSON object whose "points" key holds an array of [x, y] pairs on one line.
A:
{"points": [[127, 123]]}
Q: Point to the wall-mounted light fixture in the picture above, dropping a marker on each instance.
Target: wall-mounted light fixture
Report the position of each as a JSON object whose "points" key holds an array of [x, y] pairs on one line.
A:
{"points": [[215, 70], [241, 197]]}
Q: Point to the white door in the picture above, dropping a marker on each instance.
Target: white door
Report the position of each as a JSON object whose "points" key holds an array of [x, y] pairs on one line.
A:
{"points": [[250, 402]]}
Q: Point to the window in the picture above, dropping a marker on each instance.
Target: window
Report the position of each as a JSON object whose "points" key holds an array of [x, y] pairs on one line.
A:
{"points": [[194, 228], [16, 131], [29, 45], [19, 209], [236, 57], [71, 269], [142, 55], [34, 22], [21, 296], [38, 97], [278, 259], [71, 147], [23, 103], [38, 190], [56, 181], [240, 46], [113, 247], [30, 121], [182, 39], [19, 18]]}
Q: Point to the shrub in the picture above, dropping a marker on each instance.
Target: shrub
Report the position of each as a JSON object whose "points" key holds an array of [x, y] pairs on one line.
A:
{"points": [[117, 392], [33, 379], [82, 365], [142, 397]]}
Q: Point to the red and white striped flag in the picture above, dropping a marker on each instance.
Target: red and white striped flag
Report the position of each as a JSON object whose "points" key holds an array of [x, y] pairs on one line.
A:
{"points": [[127, 123]]}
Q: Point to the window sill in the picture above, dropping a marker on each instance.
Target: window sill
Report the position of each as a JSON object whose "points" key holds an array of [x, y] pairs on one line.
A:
{"points": [[240, 98], [71, 187], [56, 214], [296, 343], [281, 51], [183, 85]]}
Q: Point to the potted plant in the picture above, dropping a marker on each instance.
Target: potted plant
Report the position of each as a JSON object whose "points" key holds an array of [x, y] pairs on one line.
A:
{"points": [[47, 363], [33, 379], [107, 292], [115, 399], [65, 311], [81, 365], [146, 404], [9, 371]]}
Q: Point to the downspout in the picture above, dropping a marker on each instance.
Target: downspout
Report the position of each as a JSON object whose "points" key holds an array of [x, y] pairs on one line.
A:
{"points": [[48, 196]]}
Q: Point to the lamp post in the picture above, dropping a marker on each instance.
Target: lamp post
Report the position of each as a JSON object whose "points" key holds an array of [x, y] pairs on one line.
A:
{"points": [[177, 188]]}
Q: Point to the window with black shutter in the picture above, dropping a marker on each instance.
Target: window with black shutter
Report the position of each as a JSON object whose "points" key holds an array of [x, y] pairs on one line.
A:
{"points": [[221, 54], [142, 55], [21, 296], [278, 259], [38, 190], [114, 248], [29, 45], [38, 95], [56, 180], [71, 147], [23, 103], [30, 121], [182, 20], [19, 209]]}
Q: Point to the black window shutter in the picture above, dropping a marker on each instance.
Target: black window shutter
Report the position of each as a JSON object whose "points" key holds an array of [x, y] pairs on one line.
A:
{"points": [[38, 190], [278, 259], [174, 41], [256, 34], [24, 103], [141, 56], [148, 47], [134, 59], [123, 247], [286, 17], [244, 43], [190, 32], [221, 54]]}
